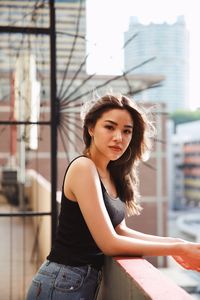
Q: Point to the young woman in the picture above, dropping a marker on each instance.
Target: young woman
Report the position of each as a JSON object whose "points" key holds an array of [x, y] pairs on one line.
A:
{"points": [[98, 187]]}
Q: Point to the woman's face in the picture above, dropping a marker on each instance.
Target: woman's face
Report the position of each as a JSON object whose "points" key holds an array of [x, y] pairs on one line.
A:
{"points": [[112, 134]]}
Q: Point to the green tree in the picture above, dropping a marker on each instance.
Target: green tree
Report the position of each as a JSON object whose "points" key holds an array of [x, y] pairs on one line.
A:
{"points": [[184, 116]]}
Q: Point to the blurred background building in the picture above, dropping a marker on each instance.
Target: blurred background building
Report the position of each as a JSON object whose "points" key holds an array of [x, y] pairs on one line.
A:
{"points": [[187, 183], [169, 44]]}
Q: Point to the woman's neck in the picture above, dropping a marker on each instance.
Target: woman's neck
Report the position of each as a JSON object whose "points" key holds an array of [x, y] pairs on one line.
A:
{"points": [[100, 162]]}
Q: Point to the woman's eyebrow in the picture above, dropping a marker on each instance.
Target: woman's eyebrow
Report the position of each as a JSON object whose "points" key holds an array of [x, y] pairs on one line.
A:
{"points": [[114, 123]]}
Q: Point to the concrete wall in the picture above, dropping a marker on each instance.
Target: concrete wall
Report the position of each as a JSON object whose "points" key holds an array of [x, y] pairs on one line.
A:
{"points": [[135, 278], [39, 195]]}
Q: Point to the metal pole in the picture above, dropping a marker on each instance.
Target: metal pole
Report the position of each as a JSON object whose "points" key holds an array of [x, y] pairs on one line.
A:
{"points": [[159, 180], [24, 30], [54, 107]]}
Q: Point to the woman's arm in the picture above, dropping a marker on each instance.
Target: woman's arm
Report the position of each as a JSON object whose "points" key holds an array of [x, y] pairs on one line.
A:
{"points": [[183, 259], [83, 179], [124, 230]]}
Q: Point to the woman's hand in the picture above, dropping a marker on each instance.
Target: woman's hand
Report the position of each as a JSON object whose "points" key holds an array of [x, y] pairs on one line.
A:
{"points": [[189, 265], [190, 258]]}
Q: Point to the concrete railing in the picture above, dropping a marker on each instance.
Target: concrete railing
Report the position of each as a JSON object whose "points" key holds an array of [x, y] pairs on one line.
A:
{"points": [[136, 278], [39, 195]]}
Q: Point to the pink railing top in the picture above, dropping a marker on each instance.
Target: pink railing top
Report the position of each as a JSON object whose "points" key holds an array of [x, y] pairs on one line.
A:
{"points": [[152, 281]]}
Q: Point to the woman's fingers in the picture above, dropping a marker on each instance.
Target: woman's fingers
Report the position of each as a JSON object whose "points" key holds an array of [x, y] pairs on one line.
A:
{"points": [[181, 262], [188, 263]]}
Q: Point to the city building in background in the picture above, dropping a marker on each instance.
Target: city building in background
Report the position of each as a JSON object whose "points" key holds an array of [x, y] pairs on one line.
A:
{"points": [[168, 43], [176, 175], [192, 172], [185, 161], [190, 166]]}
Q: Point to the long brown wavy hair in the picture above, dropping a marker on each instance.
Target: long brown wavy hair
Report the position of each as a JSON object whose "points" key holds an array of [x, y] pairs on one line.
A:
{"points": [[123, 171]]}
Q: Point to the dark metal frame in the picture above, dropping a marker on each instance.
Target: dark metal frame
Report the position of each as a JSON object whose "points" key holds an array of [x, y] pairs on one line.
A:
{"points": [[53, 123]]}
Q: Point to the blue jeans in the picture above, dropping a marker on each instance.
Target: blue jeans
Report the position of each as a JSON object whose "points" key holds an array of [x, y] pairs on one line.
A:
{"points": [[59, 282]]}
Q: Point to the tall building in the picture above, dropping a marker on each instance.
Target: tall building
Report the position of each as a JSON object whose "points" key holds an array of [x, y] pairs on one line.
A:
{"points": [[168, 43]]}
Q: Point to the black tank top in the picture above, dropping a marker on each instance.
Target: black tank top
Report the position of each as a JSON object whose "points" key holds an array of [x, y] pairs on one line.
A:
{"points": [[74, 245]]}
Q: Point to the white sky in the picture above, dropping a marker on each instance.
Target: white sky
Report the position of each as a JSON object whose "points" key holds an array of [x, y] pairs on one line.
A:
{"points": [[107, 19]]}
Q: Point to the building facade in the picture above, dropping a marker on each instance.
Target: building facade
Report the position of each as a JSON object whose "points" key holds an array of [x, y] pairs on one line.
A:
{"points": [[187, 167], [177, 199], [168, 43], [192, 173]]}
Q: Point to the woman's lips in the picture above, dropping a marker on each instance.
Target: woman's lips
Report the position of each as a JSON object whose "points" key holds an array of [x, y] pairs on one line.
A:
{"points": [[116, 148]]}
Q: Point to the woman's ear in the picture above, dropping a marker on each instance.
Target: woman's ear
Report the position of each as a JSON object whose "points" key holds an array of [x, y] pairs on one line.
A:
{"points": [[91, 131]]}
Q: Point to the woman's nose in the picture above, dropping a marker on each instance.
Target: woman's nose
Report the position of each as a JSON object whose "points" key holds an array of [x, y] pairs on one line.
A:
{"points": [[118, 136]]}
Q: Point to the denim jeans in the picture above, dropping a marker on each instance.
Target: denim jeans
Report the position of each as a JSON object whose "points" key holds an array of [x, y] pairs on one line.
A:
{"points": [[59, 282]]}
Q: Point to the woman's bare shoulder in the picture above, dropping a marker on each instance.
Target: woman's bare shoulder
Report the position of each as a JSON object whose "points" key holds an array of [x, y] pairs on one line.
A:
{"points": [[82, 162], [82, 165], [80, 173]]}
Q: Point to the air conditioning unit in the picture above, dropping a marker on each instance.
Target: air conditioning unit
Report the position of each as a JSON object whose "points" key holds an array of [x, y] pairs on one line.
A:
{"points": [[10, 185]]}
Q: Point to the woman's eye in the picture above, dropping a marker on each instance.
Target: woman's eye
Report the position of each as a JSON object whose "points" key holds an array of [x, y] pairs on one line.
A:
{"points": [[109, 127], [127, 131]]}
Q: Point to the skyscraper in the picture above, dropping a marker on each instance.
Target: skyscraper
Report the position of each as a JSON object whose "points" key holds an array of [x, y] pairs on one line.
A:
{"points": [[168, 43]]}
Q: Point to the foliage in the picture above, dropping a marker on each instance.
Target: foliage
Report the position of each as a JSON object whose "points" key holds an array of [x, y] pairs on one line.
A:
{"points": [[184, 116]]}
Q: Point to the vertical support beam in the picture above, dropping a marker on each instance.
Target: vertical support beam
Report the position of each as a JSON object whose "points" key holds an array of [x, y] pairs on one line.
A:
{"points": [[54, 115], [13, 128], [159, 180]]}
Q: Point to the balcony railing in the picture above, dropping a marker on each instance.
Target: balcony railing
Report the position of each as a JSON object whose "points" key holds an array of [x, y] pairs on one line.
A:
{"points": [[137, 279]]}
